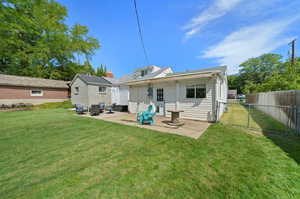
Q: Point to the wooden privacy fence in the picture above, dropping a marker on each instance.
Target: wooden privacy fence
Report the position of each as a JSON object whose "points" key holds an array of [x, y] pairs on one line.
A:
{"points": [[284, 106]]}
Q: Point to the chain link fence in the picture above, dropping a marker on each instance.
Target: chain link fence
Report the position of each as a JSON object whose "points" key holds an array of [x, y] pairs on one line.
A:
{"points": [[265, 118]]}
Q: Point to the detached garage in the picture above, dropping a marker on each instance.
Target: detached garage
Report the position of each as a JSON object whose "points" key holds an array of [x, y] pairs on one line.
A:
{"points": [[20, 89]]}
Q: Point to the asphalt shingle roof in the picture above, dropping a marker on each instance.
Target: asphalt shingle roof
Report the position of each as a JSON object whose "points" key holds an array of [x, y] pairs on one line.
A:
{"points": [[91, 79], [13, 80]]}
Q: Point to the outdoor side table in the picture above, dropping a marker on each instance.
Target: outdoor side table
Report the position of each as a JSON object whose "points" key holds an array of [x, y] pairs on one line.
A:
{"points": [[175, 116]]}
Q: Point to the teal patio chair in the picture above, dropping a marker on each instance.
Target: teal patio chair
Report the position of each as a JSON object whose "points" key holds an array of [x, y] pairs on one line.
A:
{"points": [[146, 117]]}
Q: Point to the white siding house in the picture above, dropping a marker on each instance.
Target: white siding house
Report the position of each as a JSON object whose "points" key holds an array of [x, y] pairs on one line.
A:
{"points": [[201, 95]]}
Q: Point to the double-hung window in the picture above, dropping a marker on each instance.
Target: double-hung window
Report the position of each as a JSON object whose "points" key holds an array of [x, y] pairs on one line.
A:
{"points": [[160, 94], [196, 91]]}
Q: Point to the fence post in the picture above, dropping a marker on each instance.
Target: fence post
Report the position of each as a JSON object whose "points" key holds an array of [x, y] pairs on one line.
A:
{"points": [[248, 123], [297, 120]]}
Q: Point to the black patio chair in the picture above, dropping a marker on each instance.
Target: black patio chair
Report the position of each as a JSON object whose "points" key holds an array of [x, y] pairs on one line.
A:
{"points": [[95, 110]]}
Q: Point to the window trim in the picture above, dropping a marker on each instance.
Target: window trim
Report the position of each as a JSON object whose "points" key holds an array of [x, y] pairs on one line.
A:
{"points": [[37, 95], [194, 87]]}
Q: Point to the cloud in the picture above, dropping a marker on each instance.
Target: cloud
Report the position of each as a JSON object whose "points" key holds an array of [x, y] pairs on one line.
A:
{"points": [[249, 42], [218, 9]]}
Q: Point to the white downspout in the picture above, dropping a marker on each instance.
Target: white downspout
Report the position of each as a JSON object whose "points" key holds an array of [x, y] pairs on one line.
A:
{"points": [[177, 96]]}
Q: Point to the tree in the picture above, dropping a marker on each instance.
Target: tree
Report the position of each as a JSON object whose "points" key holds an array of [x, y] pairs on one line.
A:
{"points": [[266, 73], [36, 42], [287, 78], [257, 69], [87, 68], [101, 71], [234, 83]]}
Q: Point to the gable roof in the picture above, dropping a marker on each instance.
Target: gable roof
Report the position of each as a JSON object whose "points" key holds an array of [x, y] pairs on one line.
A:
{"points": [[132, 77], [91, 79], [13, 80]]}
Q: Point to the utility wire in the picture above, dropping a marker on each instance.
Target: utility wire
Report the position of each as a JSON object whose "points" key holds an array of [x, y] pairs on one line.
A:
{"points": [[140, 31]]}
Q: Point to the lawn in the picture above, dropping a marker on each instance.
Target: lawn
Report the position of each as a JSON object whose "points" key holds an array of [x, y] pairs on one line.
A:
{"points": [[52, 153], [238, 115]]}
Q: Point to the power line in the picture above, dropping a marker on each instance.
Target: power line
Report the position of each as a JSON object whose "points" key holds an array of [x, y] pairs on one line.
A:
{"points": [[140, 31]]}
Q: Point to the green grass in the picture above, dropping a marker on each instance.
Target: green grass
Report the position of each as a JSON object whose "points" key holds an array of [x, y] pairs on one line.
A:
{"points": [[238, 115], [52, 153], [54, 105]]}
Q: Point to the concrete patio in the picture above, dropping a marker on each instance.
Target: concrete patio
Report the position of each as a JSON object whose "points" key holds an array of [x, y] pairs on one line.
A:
{"points": [[190, 128]]}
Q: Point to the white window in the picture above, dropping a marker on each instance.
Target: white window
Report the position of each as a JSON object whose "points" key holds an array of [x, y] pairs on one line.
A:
{"points": [[36, 93], [144, 72], [196, 91], [102, 89]]}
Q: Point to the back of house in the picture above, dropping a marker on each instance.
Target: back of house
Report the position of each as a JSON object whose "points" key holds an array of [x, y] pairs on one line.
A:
{"points": [[200, 94]]}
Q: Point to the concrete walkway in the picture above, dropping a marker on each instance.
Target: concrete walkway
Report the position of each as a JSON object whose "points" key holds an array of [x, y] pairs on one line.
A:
{"points": [[190, 128]]}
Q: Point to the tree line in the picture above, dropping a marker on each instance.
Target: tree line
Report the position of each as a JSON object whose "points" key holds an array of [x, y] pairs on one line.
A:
{"points": [[268, 72], [36, 42]]}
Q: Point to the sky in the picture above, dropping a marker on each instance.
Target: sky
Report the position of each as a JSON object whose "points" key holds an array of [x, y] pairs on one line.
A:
{"points": [[186, 35]]}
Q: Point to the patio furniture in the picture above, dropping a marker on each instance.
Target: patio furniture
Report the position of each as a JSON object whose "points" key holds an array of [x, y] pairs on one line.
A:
{"points": [[102, 107], [80, 109], [95, 110], [146, 117], [175, 117], [111, 108]]}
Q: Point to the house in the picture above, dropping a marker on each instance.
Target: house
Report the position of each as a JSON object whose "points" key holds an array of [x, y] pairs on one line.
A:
{"points": [[201, 94], [232, 94], [88, 89], [20, 89]]}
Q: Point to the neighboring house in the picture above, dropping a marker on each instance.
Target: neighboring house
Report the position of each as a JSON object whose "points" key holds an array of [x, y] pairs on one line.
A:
{"points": [[19, 89], [88, 89], [201, 94], [232, 94]]}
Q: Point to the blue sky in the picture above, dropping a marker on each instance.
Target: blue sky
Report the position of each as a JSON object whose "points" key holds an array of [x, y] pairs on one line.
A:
{"points": [[186, 35]]}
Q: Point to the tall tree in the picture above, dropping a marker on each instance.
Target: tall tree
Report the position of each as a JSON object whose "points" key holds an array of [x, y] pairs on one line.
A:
{"points": [[266, 73], [101, 71], [258, 69], [35, 41]]}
